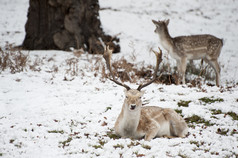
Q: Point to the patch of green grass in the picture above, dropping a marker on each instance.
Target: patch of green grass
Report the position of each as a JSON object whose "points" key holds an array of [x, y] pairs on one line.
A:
{"points": [[102, 142], [97, 146], [66, 142], [56, 131], [211, 100], [191, 126], [19, 145], [108, 108], [1, 154], [182, 155], [216, 112], [233, 115], [118, 146], [133, 143], [231, 155], [197, 119], [222, 131], [146, 146], [112, 135], [178, 111], [138, 155], [184, 103], [214, 117], [195, 143]]}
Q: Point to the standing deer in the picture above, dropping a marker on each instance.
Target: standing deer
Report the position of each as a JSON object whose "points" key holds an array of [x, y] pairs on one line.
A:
{"points": [[149, 122], [183, 48]]}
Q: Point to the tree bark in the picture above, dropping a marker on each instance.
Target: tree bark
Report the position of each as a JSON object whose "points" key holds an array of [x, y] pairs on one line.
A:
{"points": [[62, 24]]}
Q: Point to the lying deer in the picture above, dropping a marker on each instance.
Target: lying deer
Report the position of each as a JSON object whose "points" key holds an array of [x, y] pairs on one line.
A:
{"points": [[183, 48], [149, 122]]}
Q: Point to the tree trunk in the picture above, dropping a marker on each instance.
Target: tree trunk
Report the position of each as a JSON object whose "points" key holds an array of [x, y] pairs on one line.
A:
{"points": [[62, 24]]}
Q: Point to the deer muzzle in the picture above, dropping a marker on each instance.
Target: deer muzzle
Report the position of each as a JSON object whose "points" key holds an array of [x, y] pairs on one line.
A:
{"points": [[132, 106]]}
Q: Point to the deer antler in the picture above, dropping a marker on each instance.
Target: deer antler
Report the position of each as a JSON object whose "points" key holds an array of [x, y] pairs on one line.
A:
{"points": [[107, 56], [158, 61]]}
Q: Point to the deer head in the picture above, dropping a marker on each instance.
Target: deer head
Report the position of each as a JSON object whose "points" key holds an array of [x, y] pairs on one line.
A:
{"points": [[133, 100], [161, 26], [133, 96]]}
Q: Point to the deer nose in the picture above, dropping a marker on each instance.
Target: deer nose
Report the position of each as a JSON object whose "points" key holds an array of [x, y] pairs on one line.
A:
{"points": [[133, 106]]}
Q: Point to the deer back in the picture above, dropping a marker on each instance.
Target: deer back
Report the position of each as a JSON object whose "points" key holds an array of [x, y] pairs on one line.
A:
{"points": [[198, 45]]}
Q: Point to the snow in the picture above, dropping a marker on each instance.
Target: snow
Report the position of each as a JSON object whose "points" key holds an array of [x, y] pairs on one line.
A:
{"points": [[69, 112]]}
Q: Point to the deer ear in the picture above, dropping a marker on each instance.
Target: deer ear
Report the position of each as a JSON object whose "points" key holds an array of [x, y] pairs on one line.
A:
{"points": [[155, 22], [167, 22]]}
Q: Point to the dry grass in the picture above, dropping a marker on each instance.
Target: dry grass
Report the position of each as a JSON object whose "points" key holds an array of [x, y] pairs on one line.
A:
{"points": [[36, 64], [201, 70], [73, 68], [16, 61], [135, 72]]}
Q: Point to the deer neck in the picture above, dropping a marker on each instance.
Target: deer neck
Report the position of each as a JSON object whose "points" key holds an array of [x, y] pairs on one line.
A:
{"points": [[166, 40], [130, 121]]}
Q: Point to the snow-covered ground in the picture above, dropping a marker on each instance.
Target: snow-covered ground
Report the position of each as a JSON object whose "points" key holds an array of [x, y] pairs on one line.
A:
{"points": [[61, 107]]}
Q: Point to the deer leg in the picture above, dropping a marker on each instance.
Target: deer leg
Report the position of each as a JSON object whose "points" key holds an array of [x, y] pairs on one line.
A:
{"points": [[178, 127], [183, 66], [152, 133], [214, 64], [179, 72]]}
